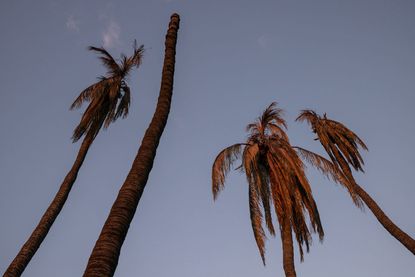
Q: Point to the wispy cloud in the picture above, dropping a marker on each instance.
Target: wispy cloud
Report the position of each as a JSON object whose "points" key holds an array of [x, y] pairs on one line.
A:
{"points": [[111, 35], [72, 24]]}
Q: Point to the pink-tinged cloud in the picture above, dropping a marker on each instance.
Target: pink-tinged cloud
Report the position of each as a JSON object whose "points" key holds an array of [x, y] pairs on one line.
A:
{"points": [[111, 36]]}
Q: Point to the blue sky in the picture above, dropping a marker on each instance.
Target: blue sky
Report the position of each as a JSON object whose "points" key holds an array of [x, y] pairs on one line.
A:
{"points": [[351, 59]]}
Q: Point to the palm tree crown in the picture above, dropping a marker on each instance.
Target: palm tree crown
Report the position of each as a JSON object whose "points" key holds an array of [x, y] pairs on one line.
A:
{"points": [[340, 143], [275, 175], [110, 97]]}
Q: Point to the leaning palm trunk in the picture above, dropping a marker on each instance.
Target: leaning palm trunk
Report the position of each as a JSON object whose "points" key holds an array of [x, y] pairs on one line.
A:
{"points": [[383, 219], [26, 253], [104, 257], [287, 248], [341, 144]]}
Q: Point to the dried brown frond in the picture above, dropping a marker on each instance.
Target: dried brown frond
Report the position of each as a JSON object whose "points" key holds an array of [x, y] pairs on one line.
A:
{"points": [[334, 134], [350, 133], [107, 60], [293, 192], [134, 60], [273, 114], [110, 97], [124, 104], [256, 221], [265, 193], [222, 165], [307, 115], [86, 95]]}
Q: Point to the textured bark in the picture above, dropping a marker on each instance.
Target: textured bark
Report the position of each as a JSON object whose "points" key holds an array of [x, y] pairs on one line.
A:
{"points": [[287, 249], [104, 257], [383, 219], [386, 222], [26, 253]]}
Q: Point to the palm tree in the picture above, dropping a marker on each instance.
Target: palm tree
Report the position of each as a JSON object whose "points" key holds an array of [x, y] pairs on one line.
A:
{"points": [[275, 175], [342, 145], [104, 257], [109, 99]]}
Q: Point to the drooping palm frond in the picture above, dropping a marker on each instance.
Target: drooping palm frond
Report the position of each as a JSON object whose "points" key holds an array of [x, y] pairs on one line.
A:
{"points": [[124, 105], [328, 169], [295, 195], [222, 165], [265, 193], [110, 97], [89, 93], [346, 141], [335, 136], [256, 220], [307, 115], [257, 175], [350, 133], [250, 164]]}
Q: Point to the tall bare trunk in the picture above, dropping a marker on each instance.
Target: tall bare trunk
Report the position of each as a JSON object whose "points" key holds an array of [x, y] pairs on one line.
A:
{"points": [[383, 219], [287, 248], [104, 257], [26, 253]]}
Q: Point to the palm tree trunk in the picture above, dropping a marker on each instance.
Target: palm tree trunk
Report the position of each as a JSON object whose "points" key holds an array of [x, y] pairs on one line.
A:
{"points": [[287, 248], [383, 219], [104, 257], [26, 253], [391, 227]]}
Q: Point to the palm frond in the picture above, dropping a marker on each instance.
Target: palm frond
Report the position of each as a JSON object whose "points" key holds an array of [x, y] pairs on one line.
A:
{"points": [[265, 193], [222, 165], [273, 114], [329, 170], [123, 106], [92, 119], [256, 221], [349, 133], [134, 60], [307, 115], [107, 60], [87, 94]]}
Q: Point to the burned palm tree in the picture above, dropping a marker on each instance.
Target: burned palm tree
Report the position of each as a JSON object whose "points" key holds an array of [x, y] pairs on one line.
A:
{"points": [[108, 99], [275, 175], [342, 145]]}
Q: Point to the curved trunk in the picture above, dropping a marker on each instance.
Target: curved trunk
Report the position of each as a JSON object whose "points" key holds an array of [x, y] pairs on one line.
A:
{"points": [[383, 219], [26, 253], [104, 257], [287, 248]]}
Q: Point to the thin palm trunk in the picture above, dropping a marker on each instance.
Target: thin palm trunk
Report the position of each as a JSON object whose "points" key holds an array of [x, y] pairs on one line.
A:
{"points": [[104, 257], [26, 253], [383, 219], [287, 249]]}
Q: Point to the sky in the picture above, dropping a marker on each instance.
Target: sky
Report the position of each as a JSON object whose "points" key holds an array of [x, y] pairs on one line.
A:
{"points": [[353, 60]]}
